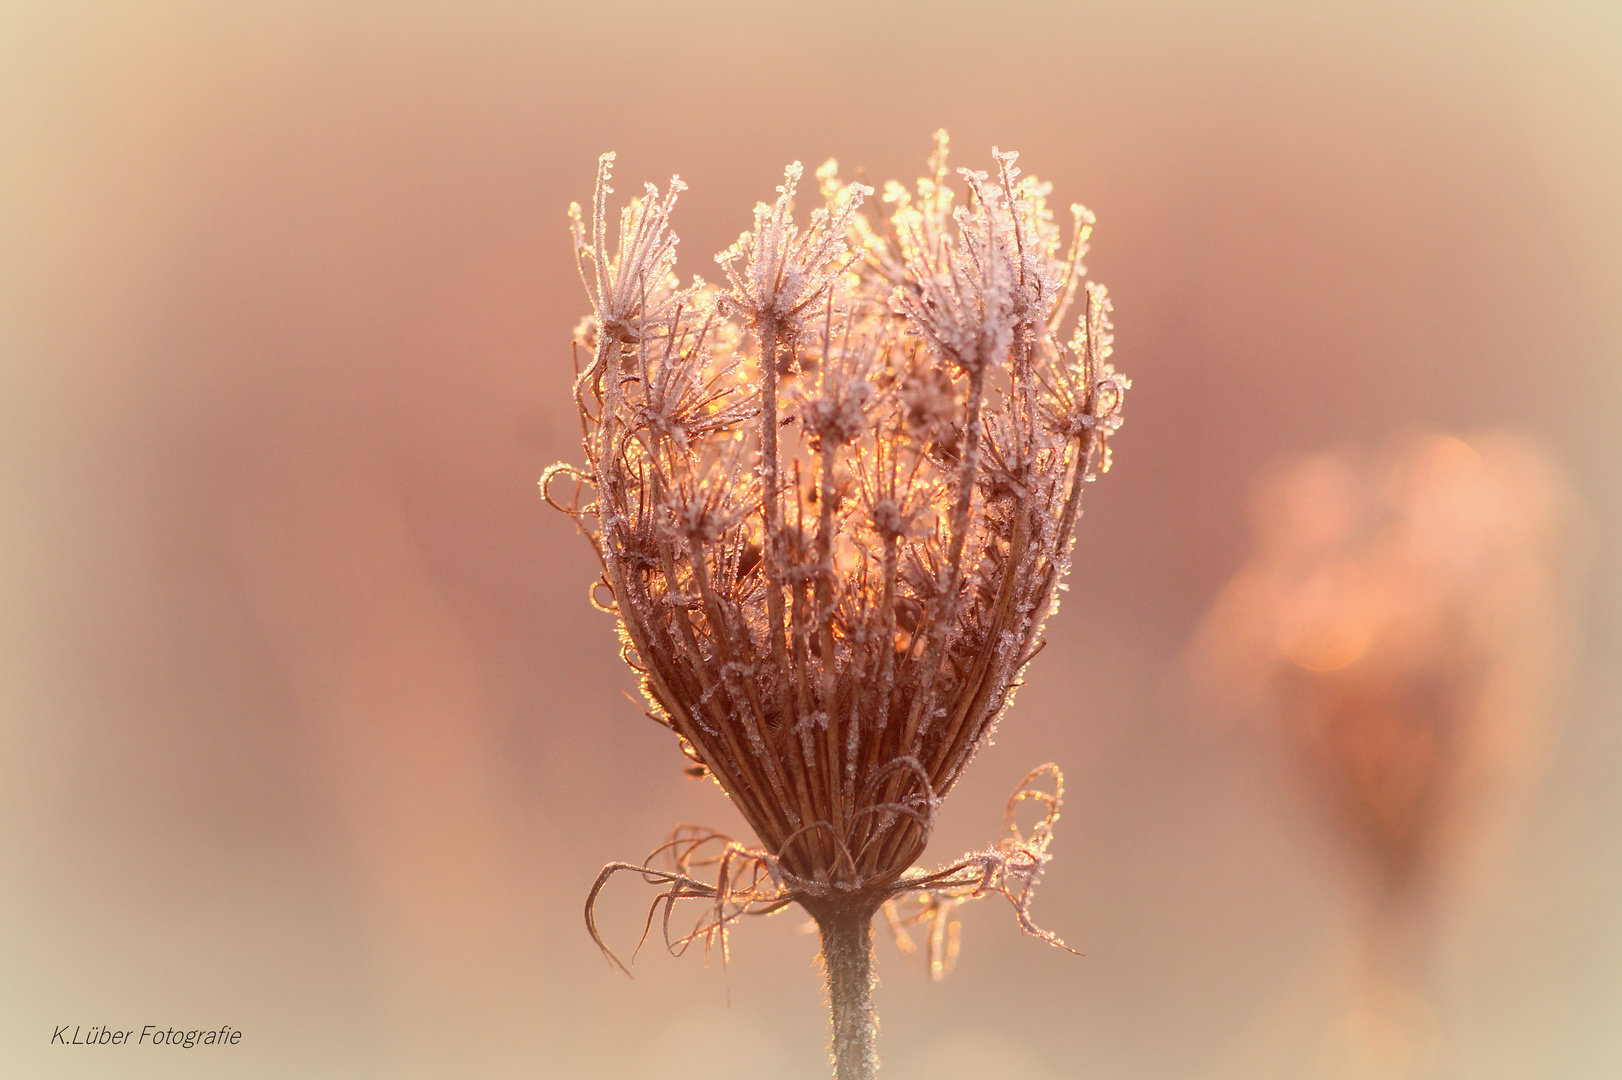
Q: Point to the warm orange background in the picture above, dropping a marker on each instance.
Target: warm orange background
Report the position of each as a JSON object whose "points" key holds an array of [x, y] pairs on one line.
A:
{"points": [[308, 728]]}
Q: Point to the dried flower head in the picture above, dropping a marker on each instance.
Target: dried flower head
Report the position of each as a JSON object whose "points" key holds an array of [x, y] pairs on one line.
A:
{"points": [[1399, 621], [834, 501]]}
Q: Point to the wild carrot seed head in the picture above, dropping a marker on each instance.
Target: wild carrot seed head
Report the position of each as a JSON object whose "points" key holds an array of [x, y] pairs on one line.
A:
{"points": [[834, 498]]}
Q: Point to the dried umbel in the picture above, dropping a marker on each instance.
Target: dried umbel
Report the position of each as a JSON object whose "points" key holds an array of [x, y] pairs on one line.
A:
{"points": [[834, 500], [1400, 621]]}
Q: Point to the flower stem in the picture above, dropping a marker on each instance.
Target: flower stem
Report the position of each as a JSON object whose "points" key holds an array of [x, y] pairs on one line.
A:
{"points": [[847, 963]]}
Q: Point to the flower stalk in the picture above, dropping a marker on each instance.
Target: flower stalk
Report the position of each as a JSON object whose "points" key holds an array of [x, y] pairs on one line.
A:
{"points": [[846, 930]]}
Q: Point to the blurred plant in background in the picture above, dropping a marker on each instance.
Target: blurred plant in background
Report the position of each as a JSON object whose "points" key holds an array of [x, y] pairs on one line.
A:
{"points": [[834, 500], [1401, 624]]}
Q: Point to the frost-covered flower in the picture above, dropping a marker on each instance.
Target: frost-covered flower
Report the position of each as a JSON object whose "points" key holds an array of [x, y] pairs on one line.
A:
{"points": [[834, 501]]}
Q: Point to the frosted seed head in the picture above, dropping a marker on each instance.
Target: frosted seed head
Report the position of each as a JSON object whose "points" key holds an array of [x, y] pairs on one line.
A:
{"points": [[850, 574]]}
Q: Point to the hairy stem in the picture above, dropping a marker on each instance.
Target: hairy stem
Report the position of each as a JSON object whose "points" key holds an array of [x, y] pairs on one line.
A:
{"points": [[847, 964]]}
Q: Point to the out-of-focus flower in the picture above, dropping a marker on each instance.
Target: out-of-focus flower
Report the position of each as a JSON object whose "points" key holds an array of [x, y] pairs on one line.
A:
{"points": [[1400, 622]]}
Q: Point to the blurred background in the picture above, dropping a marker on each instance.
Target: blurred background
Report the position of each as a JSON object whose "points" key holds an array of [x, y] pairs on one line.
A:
{"points": [[308, 727]]}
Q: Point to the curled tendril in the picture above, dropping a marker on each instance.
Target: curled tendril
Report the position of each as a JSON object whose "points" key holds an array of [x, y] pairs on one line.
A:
{"points": [[751, 881], [611, 607], [581, 479]]}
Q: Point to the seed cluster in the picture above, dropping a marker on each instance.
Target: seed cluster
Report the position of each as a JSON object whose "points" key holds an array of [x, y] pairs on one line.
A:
{"points": [[834, 496]]}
